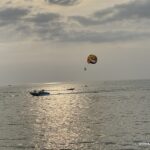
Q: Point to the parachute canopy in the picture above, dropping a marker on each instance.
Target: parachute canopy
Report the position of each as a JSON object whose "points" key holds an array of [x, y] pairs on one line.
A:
{"points": [[92, 59]]}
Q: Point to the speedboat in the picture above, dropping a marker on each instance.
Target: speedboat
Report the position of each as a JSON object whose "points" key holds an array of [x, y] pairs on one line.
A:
{"points": [[39, 93]]}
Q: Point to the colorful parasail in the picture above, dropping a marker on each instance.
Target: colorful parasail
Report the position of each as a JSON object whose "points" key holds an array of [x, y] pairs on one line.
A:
{"points": [[92, 59]]}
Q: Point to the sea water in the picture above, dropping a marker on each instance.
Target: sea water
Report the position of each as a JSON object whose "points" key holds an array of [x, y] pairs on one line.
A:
{"points": [[109, 115]]}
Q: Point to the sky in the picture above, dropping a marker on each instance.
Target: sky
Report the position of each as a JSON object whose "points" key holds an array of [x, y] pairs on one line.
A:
{"points": [[49, 40]]}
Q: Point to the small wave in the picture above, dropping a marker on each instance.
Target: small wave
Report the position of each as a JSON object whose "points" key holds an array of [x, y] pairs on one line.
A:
{"points": [[82, 92], [17, 146], [82, 142], [65, 149], [144, 144], [109, 143], [8, 139], [7, 92], [15, 124]]}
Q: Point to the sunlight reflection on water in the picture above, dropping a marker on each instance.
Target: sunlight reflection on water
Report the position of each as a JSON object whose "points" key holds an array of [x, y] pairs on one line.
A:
{"points": [[115, 117]]}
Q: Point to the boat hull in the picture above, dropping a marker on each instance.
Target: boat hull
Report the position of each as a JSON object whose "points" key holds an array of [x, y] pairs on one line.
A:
{"points": [[40, 94]]}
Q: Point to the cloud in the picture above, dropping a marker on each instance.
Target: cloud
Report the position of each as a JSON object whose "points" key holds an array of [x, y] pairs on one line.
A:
{"points": [[53, 31], [11, 15], [44, 18], [133, 10], [29, 24], [21, 24], [63, 2], [85, 21], [104, 37], [46, 25]]}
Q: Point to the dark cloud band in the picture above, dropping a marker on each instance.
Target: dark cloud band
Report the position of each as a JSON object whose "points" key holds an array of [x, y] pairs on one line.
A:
{"points": [[13, 13], [133, 10], [63, 2], [41, 18]]}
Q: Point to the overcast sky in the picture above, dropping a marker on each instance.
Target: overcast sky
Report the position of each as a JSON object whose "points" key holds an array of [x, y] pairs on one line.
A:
{"points": [[49, 40]]}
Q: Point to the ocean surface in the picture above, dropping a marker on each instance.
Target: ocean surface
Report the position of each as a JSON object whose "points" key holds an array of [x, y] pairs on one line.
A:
{"points": [[109, 115]]}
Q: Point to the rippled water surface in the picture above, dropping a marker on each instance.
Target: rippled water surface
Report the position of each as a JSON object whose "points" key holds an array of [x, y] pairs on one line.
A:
{"points": [[95, 116]]}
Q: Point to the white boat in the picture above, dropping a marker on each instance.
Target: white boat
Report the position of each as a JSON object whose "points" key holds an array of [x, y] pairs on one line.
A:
{"points": [[39, 93]]}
